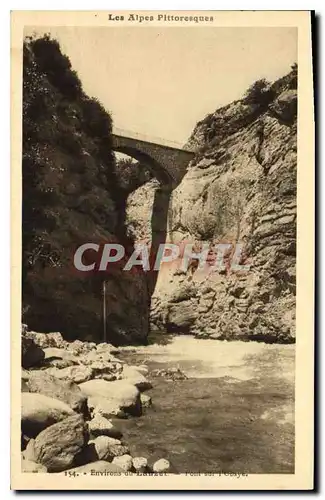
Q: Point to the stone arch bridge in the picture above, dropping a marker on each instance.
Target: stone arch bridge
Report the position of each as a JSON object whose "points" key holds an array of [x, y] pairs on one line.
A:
{"points": [[168, 160]]}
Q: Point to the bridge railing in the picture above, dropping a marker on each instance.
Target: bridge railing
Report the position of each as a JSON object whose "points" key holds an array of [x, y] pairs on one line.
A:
{"points": [[146, 138]]}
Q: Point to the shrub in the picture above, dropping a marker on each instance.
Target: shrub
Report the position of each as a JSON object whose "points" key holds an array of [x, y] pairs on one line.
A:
{"points": [[259, 93]]}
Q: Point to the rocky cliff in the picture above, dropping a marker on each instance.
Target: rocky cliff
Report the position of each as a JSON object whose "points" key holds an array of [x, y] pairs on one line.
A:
{"points": [[72, 195], [241, 187]]}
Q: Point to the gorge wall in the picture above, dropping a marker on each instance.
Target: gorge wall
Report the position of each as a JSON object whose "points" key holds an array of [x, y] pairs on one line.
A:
{"points": [[72, 194], [241, 187]]}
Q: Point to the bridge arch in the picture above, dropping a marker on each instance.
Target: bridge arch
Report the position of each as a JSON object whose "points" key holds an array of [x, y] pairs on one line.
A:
{"points": [[168, 162], [156, 168]]}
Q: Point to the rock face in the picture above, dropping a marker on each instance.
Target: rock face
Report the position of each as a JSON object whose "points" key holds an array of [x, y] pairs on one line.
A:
{"points": [[58, 446], [240, 188]]}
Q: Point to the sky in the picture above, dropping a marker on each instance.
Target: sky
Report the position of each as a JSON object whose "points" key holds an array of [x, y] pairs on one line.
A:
{"points": [[161, 81]]}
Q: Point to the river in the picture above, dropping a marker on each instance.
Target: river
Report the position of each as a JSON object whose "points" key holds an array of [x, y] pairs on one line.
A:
{"points": [[234, 413]]}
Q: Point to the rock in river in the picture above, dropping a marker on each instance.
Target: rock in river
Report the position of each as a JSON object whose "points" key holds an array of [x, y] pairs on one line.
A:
{"points": [[103, 407], [107, 448], [119, 393], [101, 426], [146, 401], [161, 465], [140, 464], [132, 375], [124, 461]]}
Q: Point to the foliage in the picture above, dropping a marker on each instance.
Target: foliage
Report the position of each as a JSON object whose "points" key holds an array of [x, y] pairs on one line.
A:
{"points": [[259, 93], [131, 174], [71, 193]]}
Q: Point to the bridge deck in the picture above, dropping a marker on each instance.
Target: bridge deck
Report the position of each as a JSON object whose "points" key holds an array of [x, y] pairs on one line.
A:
{"points": [[128, 134]]}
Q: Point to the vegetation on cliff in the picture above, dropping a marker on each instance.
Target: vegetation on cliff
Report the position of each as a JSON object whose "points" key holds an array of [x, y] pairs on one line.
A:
{"points": [[71, 195]]}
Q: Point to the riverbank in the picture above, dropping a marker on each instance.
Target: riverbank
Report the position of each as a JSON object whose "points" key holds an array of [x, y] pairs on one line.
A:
{"points": [[73, 396]]}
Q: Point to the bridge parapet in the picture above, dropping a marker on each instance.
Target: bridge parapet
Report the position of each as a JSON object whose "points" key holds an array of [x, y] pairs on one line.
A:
{"points": [[168, 162]]}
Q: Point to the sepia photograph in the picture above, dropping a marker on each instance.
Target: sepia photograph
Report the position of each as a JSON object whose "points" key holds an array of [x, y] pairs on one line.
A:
{"points": [[157, 325]]}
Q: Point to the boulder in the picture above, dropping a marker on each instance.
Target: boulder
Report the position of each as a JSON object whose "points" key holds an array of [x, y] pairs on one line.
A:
{"points": [[132, 375], [60, 358], [76, 374], [109, 377], [99, 466], [101, 368], [57, 363], [161, 465], [24, 374], [23, 441], [106, 347], [31, 353], [285, 105], [29, 452], [29, 466], [44, 340], [170, 373], [89, 358], [42, 382], [24, 386], [39, 411], [77, 347], [143, 369], [146, 401], [124, 462], [101, 426], [107, 448], [120, 393], [140, 464], [104, 407], [58, 446]]}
